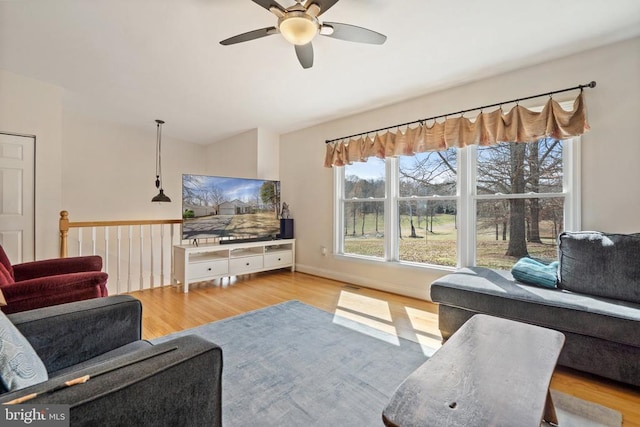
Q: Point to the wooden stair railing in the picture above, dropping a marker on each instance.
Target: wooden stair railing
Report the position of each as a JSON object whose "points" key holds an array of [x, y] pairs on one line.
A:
{"points": [[136, 233]]}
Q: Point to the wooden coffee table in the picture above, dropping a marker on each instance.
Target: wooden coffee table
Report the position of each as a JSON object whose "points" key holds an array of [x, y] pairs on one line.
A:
{"points": [[491, 372]]}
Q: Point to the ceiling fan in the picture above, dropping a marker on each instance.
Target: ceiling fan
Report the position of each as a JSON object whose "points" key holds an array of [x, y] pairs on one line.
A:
{"points": [[299, 24]]}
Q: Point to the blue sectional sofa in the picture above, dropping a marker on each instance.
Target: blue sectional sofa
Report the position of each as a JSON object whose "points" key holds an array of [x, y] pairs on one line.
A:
{"points": [[596, 303]]}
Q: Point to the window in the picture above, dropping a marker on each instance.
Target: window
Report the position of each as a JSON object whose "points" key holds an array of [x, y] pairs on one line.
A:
{"points": [[363, 210], [520, 201], [485, 206], [427, 207]]}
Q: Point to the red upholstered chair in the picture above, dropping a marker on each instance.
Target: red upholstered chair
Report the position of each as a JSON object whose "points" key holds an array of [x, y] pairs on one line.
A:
{"points": [[39, 284]]}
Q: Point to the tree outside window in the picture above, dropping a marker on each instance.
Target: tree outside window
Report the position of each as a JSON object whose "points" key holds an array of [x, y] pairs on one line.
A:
{"points": [[509, 227]]}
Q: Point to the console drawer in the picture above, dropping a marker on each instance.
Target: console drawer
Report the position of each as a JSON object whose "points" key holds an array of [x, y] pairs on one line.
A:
{"points": [[278, 259], [204, 269], [244, 264]]}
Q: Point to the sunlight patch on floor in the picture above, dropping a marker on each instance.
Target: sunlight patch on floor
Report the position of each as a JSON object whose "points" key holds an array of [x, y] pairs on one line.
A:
{"points": [[367, 326], [424, 324], [421, 320], [367, 315], [429, 344], [374, 317], [369, 306]]}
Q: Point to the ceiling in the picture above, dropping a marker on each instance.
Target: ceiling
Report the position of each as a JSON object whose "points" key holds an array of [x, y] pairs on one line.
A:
{"points": [[134, 61]]}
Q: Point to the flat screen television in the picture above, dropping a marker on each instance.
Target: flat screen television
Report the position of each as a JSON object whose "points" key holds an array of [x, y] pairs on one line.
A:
{"points": [[219, 208]]}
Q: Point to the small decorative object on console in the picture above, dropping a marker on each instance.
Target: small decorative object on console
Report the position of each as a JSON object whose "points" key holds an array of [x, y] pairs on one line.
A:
{"points": [[284, 214]]}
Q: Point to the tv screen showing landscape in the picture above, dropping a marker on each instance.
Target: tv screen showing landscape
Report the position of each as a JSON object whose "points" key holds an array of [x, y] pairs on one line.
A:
{"points": [[225, 207]]}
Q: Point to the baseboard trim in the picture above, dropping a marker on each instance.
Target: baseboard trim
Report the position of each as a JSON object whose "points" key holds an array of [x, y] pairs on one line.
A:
{"points": [[413, 291]]}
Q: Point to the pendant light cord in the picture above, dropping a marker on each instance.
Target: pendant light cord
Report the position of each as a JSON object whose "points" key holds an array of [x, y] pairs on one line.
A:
{"points": [[159, 154], [161, 197]]}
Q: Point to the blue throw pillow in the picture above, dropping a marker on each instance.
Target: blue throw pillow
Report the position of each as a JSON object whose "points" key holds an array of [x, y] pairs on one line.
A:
{"points": [[20, 365], [534, 272]]}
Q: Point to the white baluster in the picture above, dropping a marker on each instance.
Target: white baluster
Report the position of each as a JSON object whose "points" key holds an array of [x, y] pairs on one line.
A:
{"points": [[151, 245], [118, 257], [141, 285], [173, 266], [166, 241], [130, 258], [162, 283], [106, 249]]}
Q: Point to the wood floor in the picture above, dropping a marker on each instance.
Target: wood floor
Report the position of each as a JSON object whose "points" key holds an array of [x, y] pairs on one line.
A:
{"points": [[168, 309]]}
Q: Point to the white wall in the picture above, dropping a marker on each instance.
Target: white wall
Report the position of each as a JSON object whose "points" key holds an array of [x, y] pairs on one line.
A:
{"points": [[31, 107], [235, 156], [108, 171], [251, 154], [610, 156], [268, 155]]}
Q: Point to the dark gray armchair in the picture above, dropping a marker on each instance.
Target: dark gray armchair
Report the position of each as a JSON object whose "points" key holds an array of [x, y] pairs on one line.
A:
{"points": [[133, 382]]}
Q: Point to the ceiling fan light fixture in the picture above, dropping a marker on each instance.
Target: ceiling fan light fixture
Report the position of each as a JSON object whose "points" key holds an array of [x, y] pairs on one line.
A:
{"points": [[298, 28], [299, 24]]}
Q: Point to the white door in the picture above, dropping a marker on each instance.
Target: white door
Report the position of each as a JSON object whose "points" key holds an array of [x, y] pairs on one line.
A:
{"points": [[17, 200]]}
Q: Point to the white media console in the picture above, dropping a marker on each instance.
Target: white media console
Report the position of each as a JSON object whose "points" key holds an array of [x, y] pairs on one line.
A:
{"points": [[214, 261]]}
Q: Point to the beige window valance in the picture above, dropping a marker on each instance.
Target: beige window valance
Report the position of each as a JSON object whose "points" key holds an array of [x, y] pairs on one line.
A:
{"points": [[517, 125]]}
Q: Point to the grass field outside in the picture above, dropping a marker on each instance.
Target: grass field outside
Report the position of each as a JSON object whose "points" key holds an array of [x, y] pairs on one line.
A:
{"points": [[438, 247]]}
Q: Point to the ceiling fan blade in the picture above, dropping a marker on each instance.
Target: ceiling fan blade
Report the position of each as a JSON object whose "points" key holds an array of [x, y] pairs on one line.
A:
{"points": [[251, 35], [305, 55], [269, 4], [324, 5], [352, 33]]}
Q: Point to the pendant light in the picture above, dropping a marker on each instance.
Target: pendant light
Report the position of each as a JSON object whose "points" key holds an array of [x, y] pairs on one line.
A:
{"points": [[160, 197]]}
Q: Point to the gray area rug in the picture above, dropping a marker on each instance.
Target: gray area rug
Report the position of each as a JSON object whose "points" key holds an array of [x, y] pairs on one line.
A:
{"points": [[295, 365]]}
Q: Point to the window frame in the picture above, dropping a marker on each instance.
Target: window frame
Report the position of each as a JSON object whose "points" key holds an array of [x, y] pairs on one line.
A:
{"points": [[570, 193], [467, 199]]}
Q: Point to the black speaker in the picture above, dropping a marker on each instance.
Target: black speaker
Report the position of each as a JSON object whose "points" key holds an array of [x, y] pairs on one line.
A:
{"points": [[286, 228]]}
